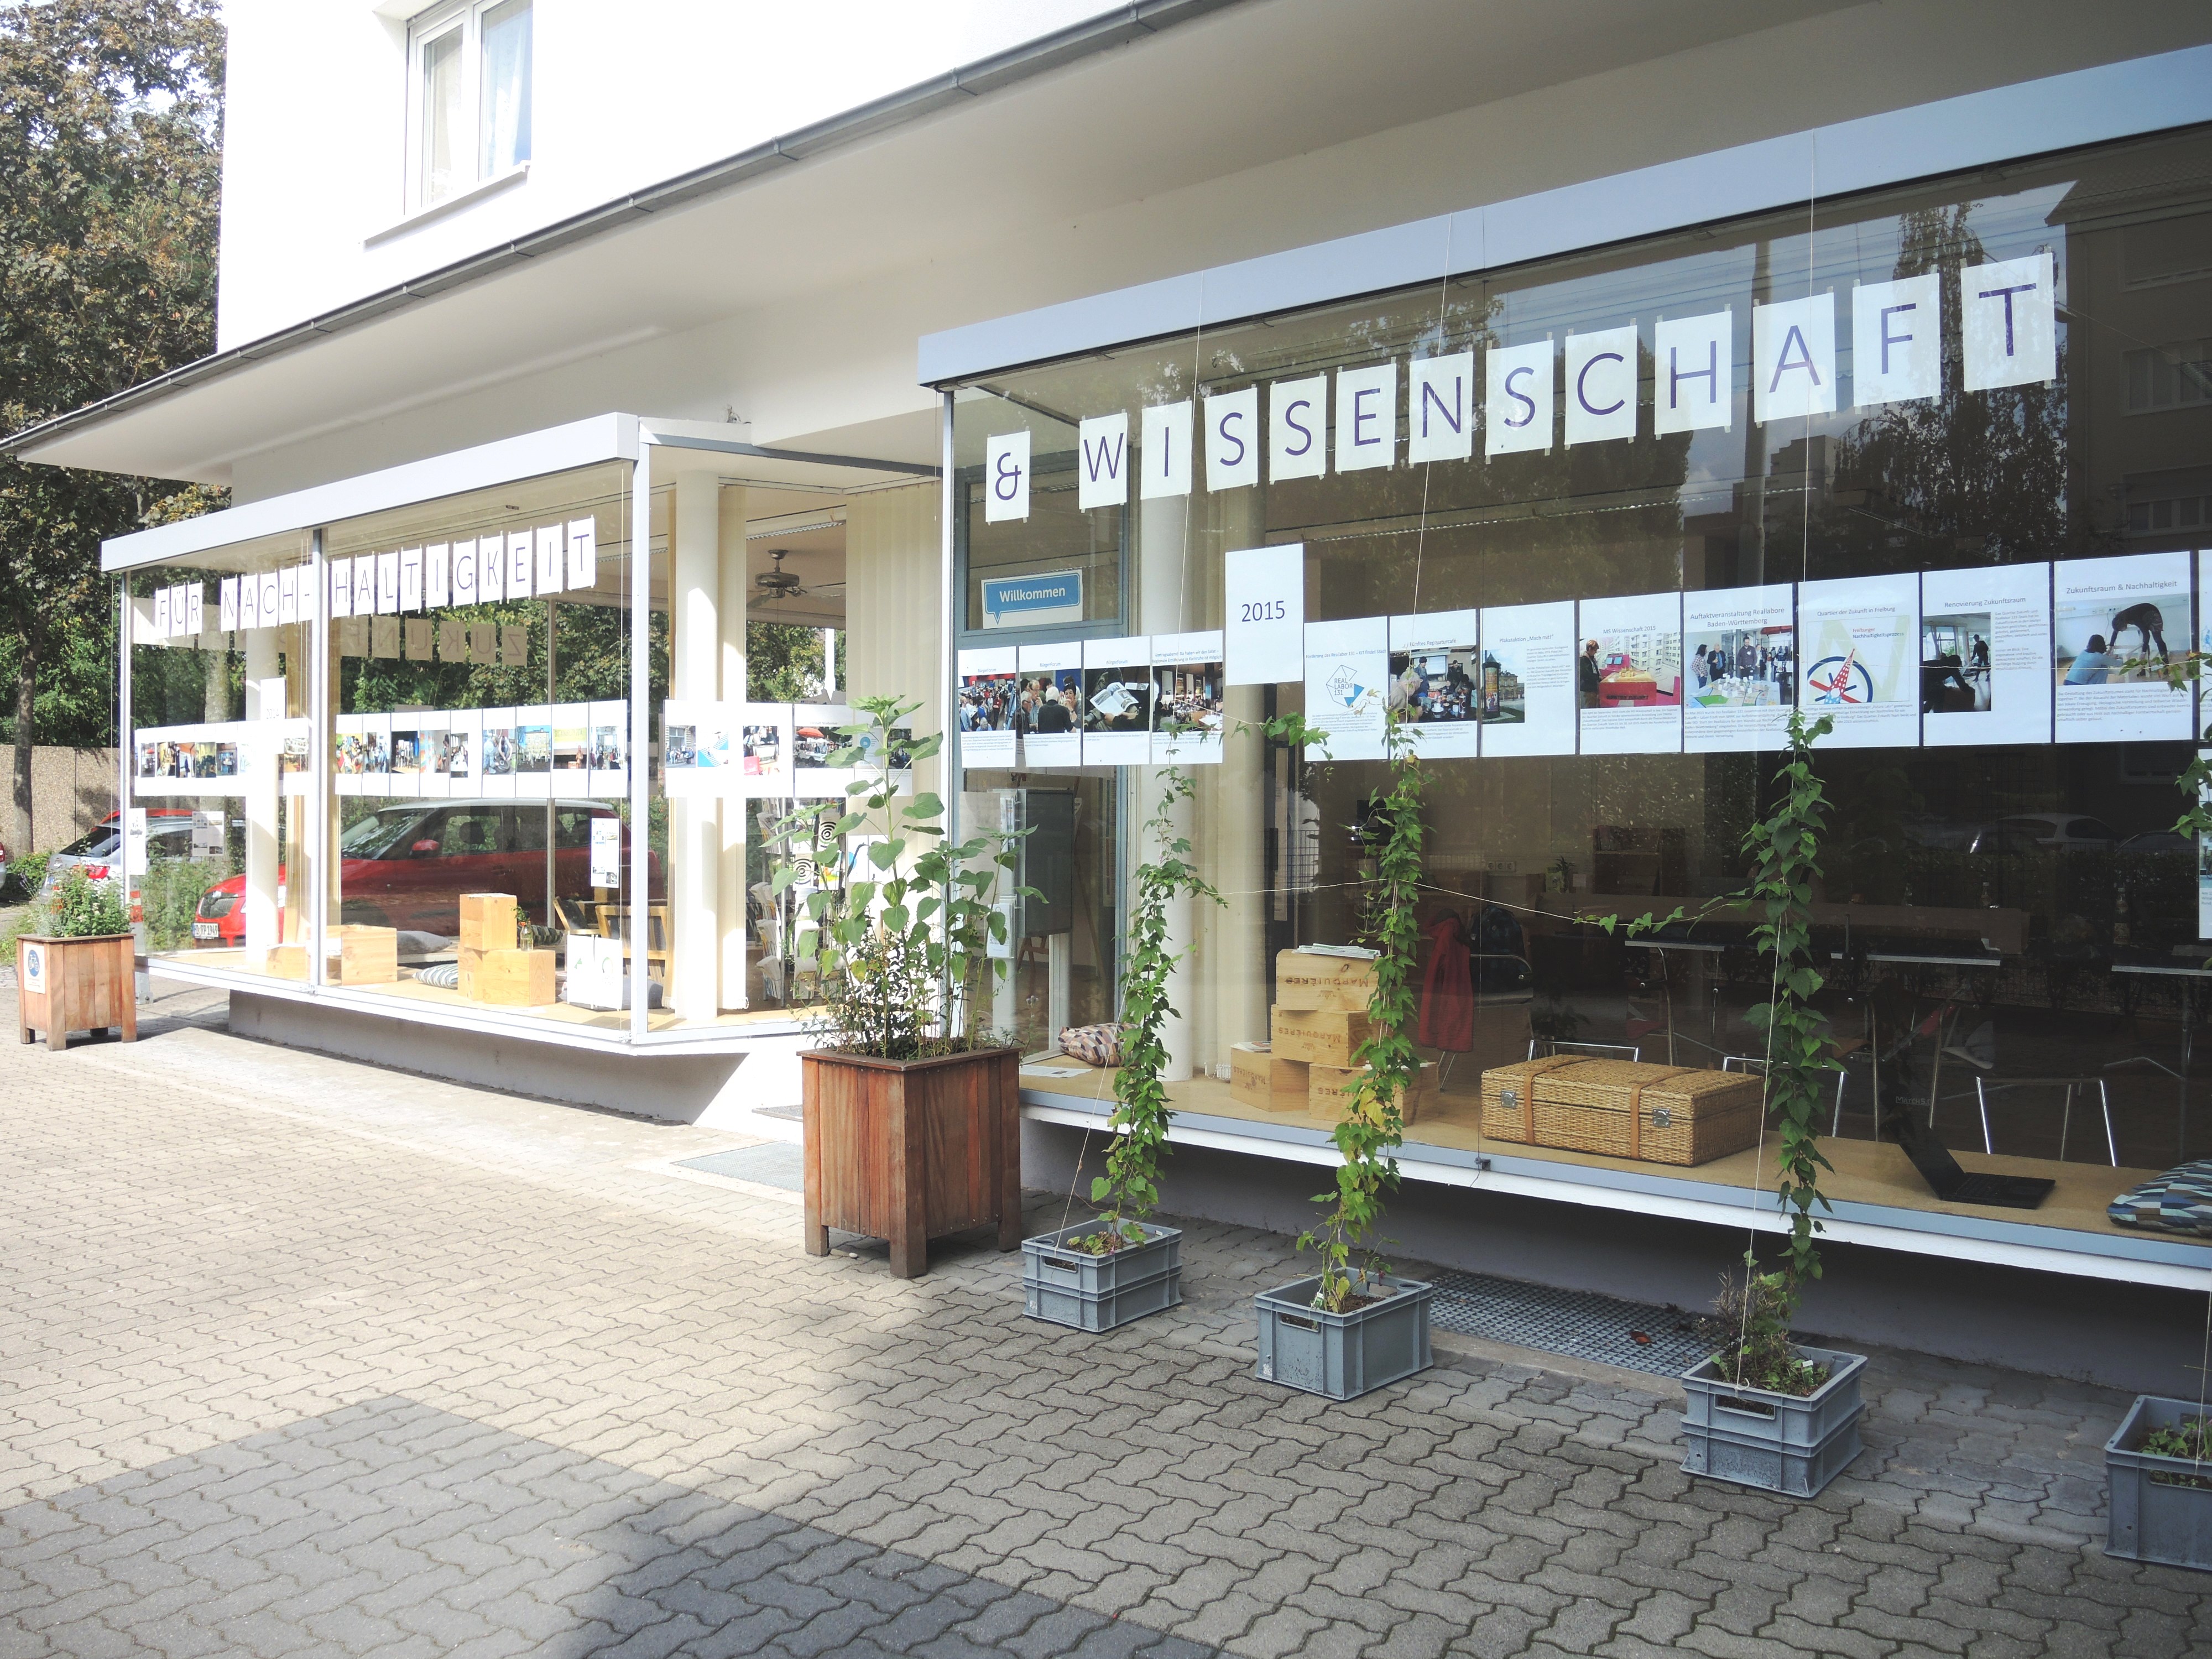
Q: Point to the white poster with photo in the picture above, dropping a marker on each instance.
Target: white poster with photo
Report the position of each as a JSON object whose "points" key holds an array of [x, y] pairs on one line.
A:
{"points": [[1525, 681], [430, 779], [1628, 674], [1740, 660], [460, 751], [348, 753], [572, 749], [764, 749], [2115, 623], [2204, 864], [610, 754], [985, 705], [215, 758], [698, 752], [2204, 642], [1117, 702], [495, 753], [606, 852], [1859, 639], [1189, 712], [404, 752], [1348, 686], [1985, 655], [1052, 694], [817, 735], [1435, 668], [533, 752]]}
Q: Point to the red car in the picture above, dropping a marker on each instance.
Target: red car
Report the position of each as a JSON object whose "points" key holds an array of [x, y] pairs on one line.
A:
{"points": [[407, 865]]}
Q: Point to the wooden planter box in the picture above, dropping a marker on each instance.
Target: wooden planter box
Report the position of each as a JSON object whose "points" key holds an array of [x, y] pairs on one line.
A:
{"points": [[64, 984], [911, 1150]]}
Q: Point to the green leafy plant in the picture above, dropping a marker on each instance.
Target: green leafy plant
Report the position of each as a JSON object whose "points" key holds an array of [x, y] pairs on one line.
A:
{"points": [[169, 895], [1749, 1329], [1374, 1126], [26, 874], [900, 931], [83, 909], [1129, 1190]]}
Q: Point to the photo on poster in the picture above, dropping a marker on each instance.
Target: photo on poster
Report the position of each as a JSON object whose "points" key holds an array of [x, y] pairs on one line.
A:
{"points": [[986, 701], [457, 752], [1117, 702], [817, 739], [572, 738], [495, 754], [1985, 673], [1189, 709], [764, 749], [610, 748], [2204, 862], [1435, 668], [1860, 643], [2114, 625], [1525, 679], [431, 778], [1628, 674], [406, 754], [1051, 701], [1739, 661], [1348, 686]]}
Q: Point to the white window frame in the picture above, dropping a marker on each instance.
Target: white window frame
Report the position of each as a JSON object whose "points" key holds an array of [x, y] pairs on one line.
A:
{"points": [[437, 23]]}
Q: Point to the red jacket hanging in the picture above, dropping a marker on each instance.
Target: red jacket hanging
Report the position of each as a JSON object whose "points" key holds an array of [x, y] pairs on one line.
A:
{"points": [[1448, 989]]}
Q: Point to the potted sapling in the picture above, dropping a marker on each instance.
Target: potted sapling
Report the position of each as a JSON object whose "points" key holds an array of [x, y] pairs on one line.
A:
{"points": [[1355, 1326], [1120, 1266], [76, 965], [913, 1115]]}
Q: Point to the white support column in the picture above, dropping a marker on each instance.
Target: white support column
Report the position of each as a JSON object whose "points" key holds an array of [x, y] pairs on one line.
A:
{"points": [[1234, 857], [694, 831], [263, 857], [1163, 548], [730, 519]]}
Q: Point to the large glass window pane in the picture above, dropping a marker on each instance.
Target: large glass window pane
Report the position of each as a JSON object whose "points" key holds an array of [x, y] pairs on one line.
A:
{"points": [[442, 118], [505, 137]]}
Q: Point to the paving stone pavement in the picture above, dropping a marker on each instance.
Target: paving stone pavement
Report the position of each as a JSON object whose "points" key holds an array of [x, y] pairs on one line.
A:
{"points": [[299, 1355]]}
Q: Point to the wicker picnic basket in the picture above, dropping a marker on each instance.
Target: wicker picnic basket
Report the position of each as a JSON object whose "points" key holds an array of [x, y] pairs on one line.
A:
{"points": [[1655, 1114]]}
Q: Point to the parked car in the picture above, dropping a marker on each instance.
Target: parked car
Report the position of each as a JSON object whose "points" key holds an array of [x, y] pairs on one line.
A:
{"points": [[2157, 841], [2067, 831], [407, 865], [99, 852]]}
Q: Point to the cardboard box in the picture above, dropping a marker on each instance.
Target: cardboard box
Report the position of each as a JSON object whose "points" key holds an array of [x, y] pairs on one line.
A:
{"points": [[488, 921], [1318, 1036], [507, 979], [1342, 985], [354, 955], [1260, 1077], [1331, 1091]]}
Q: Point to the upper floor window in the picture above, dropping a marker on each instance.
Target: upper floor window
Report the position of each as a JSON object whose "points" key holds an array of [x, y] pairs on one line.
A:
{"points": [[469, 102]]}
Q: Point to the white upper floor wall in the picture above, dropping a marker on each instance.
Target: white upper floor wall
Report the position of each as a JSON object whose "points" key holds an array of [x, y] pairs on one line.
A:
{"points": [[335, 134]]}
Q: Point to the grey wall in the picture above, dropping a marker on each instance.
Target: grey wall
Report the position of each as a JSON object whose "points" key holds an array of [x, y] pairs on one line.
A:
{"points": [[71, 790], [2137, 1338]]}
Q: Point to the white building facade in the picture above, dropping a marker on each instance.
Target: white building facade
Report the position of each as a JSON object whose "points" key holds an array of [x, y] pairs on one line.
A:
{"points": [[1230, 358]]}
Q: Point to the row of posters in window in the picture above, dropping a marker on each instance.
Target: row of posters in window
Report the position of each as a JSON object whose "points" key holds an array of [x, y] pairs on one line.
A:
{"points": [[535, 752], [776, 750], [218, 757], [1154, 699]]}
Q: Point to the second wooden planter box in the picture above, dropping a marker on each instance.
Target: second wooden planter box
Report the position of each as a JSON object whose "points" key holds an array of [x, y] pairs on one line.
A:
{"points": [[911, 1150], [83, 984]]}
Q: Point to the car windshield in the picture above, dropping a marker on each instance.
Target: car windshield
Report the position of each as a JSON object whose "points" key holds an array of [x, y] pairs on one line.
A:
{"points": [[374, 837], [96, 843]]}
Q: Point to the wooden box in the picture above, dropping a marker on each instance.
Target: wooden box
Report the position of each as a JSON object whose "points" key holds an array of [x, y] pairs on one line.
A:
{"points": [[1655, 1114], [1318, 1036], [1258, 1077], [488, 921], [85, 983], [279, 961], [1332, 1087], [354, 955], [1339, 985], [508, 978]]}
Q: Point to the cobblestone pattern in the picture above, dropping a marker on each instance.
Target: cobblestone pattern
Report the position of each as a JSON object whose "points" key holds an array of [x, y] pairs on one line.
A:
{"points": [[212, 1250]]}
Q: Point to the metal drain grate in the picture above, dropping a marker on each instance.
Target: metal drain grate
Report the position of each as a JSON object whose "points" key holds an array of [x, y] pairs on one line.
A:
{"points": [[773, 1164], [1580, 1324]]}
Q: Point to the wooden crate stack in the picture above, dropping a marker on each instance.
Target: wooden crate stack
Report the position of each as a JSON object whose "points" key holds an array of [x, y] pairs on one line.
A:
{"points": [[493, 967], [1315, 1027]]}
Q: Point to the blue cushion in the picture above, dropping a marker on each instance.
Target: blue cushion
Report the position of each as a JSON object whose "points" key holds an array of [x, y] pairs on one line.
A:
{"points": [[2179, 1202]]}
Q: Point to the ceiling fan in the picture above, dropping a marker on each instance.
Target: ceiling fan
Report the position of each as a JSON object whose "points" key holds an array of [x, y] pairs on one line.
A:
{"points": [[777, 585]]}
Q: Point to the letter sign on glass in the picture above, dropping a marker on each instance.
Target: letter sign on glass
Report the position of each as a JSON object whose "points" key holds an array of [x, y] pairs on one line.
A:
{"points": [[1102, 478], [1793, 358], [387, 584], [550, 566], [1897, 340], [491, 568], [1232, 439], [411, 579], [1366, 416], [288, 596], [1693, 373], [437, 577], [271, 587], [1440, 408], [1006, 477], [1166, 453], [1601, 376], [306, 593], [1298, 425], [195, 607], [1517, 415], [519, 570], [2008, 322], [583, 554], [230, 600]]}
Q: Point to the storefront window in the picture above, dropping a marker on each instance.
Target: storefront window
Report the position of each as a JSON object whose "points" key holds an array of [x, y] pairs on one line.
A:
{"points": [[1926, 461]]}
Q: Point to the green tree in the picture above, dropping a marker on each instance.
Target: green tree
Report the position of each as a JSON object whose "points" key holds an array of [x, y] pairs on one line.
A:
{"points": [[783, 662], [111, 114]]}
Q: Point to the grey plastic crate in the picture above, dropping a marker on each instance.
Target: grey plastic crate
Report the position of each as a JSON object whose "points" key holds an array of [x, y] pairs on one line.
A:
{"points": [[1347, 1354], [1098, 1292], [2154, 1519], [1780, 1442]]}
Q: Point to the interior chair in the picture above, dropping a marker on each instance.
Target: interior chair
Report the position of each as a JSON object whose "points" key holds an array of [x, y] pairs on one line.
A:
{"points": [[1541, 1046], [1985, 1086], [614, 923], [1755, 1066]]}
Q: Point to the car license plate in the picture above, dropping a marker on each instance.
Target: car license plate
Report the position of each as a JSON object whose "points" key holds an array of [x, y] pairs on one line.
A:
{"points": [[207, 930]]}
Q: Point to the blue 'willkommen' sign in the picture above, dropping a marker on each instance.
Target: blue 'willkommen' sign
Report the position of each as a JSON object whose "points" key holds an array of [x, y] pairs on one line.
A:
{"points": [[1031, 601]]}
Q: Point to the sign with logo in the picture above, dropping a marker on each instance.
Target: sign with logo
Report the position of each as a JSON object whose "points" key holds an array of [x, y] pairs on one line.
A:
{"points": [[1033, 601], [34, 968]]}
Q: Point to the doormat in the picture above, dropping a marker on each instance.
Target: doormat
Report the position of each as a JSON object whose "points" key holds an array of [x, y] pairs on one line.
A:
{"points": [[773, 1164], [1637, 1336]]}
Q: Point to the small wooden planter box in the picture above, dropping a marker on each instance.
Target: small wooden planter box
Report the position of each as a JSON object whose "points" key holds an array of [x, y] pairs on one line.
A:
{"points": [[2155, 1517], [64, 984], [1346, 1354], [911, 1150], [1791, 1443], [1098, 1292]]}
